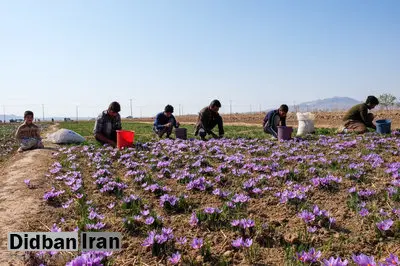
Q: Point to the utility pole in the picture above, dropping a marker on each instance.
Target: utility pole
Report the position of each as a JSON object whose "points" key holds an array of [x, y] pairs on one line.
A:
{"points": [[77, 114], [230, 107], [140, 111], [250, 109], [4, 113], [131, 107], [180, 110], [43, 112], [259, 107]]}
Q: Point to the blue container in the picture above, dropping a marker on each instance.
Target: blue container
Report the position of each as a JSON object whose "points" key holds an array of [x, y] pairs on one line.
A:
{"points": [[383, 126]]}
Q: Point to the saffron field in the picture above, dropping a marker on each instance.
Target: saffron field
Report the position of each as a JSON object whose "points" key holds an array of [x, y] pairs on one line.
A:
{"points": [[322, 199]]}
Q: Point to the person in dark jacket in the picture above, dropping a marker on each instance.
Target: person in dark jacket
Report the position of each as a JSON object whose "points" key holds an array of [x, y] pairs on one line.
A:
{"points": [[107, 124], [275, 118], [165, 122], [357, 119], [208, 119]]}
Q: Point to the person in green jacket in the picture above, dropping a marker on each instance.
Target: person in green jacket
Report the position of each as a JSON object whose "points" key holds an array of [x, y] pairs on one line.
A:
{"points": [[357, 119]]}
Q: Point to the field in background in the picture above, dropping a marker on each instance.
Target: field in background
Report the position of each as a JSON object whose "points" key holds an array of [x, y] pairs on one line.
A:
{"points": [[144, 133], [322, 119]]}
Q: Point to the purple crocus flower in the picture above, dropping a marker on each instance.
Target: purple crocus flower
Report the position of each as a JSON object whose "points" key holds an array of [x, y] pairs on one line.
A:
{"points": [[55, 228], [149, 220], [27, 182], [310, 256], [175, 258], [181, 240], [149, 241], [197, 243], [248, 242], [384, 225], [392, 260], [237, 243], [235, 222], [363, 260], [193, 219], [332, 261], [160, 239], [312, 229], [363, 212], [209, 210], [307, 216]]}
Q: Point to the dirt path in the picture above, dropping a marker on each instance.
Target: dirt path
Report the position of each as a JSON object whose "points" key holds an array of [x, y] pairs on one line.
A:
{"points": [[18, 203]]}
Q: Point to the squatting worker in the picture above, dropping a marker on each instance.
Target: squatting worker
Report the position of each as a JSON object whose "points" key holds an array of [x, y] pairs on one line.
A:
{"points": [[275, 118], [208, 119], [107, 124], [357, 119], [165, 122]]}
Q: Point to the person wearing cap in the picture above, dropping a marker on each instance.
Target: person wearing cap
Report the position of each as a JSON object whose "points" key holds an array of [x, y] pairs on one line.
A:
{"points": [[165, 122], [209, 118], [107, 124], [357, 119], [275, 118]]}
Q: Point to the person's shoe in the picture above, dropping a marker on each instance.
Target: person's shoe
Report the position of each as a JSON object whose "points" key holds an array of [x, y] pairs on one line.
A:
{"points": [[341, 130], [20, 149]]}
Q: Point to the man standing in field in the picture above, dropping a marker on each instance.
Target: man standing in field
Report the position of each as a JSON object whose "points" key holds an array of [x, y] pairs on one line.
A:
{"points": [[275, 118], [357, 119], [107, 124], [208, 119], [165, 121]]}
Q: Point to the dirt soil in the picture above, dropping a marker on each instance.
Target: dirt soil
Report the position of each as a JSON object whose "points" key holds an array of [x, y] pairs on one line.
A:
{"points": [[20, 205]]}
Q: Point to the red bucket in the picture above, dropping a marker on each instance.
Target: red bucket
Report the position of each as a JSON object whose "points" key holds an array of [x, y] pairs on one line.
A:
{"points": [[125, 138]]}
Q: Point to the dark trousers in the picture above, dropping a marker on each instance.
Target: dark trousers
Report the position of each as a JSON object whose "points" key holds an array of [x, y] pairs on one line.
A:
{"points": [[161, 132], [215, 122]]}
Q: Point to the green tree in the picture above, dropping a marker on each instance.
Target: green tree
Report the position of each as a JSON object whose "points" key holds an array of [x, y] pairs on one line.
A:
{"points": [[386, 100]]}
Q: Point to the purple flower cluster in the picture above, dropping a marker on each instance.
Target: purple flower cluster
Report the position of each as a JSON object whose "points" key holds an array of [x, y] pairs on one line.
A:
{"points": [[52, 194], [199, 184], [243, 223], [384, 225], [172, 200], [154, 238], [238, 243], [309, 257], [316, 218], [325, 181], [93, 258], [363, 260], [296, 192]]}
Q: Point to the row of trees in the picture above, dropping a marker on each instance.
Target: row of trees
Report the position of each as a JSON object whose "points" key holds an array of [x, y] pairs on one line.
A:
{"points": [[388, 100]]}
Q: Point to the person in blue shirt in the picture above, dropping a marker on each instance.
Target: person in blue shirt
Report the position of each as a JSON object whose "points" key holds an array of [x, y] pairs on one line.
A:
{"points": [[165, 122], [275, 118]]}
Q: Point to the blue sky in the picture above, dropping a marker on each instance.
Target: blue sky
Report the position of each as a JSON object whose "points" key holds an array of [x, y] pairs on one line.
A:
{"points": [[253, 53]]}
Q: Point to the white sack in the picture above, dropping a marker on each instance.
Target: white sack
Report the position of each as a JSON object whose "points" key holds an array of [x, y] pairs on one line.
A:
{"points": [[65, 136], [306, 123]]}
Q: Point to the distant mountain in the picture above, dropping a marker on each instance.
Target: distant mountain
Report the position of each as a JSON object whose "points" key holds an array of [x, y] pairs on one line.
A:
{"points": [[329, 104]]}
